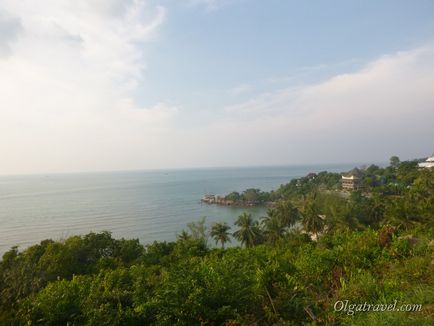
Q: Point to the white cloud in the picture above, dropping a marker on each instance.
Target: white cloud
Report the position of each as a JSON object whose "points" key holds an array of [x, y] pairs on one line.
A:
{"points": [[385, 108], [68, 84]]}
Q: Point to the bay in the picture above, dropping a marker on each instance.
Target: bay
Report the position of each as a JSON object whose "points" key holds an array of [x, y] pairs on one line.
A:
{"points": [[148, 205]]}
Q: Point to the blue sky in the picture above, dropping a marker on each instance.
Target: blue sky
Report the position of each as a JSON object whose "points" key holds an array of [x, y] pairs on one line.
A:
{"points": [[203, 53], [96, 85]]}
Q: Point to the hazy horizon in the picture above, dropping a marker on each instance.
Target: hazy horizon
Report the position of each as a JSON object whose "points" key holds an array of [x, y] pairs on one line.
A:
{"points": [[195, 168], [126, 85]]}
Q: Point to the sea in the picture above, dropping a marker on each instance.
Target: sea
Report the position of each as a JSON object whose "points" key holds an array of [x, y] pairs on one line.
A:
{"points": [[149, 205]]}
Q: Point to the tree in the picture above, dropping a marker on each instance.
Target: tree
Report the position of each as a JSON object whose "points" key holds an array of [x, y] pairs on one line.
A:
{"points": [[394, 161], [287, 213], [235, 196], [249, 233], [374, 210], [273, 226], [407, 172], [312, 220], [198, 230], [183, 236], [252, 195], [219, 232]]}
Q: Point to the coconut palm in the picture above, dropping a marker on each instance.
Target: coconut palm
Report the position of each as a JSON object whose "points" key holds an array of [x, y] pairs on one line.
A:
{"points": [[287, 213], [312, 221], [219, 232], [248, 233], [198, 230], [273, 226], [184, 236]]}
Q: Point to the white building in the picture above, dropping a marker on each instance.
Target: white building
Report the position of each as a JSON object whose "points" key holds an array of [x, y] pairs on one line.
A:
{"points": [[350, 183], [429, 163], [352, 180]]}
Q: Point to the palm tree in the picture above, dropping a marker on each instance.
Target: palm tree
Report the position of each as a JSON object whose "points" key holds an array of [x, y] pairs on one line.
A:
{"points": [[287, 213], [273, 226], [313, 224], [249, 233], [198, 230], [184, 236], [219, 232], [312, 221]]}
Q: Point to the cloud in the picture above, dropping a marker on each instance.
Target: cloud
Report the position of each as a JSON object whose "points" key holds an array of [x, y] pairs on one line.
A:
{"points": [[69, 81], [385, 108], [68, 84], [397, 83]]}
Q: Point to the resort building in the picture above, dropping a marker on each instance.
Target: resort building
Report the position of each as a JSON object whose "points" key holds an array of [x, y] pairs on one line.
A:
{"points": [[428, 164], [352, 180]]}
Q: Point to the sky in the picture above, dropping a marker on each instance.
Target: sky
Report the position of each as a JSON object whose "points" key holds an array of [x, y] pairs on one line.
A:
{"points": [[102, 85]]}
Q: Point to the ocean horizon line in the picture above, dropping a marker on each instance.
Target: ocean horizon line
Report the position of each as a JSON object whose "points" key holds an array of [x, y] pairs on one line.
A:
{"points": [[179, 169]]}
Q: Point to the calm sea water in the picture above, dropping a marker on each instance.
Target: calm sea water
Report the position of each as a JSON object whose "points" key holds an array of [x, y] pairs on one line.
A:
{"points": [[148, 205]]}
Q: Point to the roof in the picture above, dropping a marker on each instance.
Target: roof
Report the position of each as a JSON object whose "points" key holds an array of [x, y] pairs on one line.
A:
{"points": [[349, 177], [353, 174]]}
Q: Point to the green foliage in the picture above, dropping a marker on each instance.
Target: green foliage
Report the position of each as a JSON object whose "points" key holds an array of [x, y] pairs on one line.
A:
{"points": [[234, 196], [185, 283], [278, 221], [312, 221], [249, 233], [198, 230], [248, 197], [58, 303], [394, 161], [220, 233], [273, 226]]}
